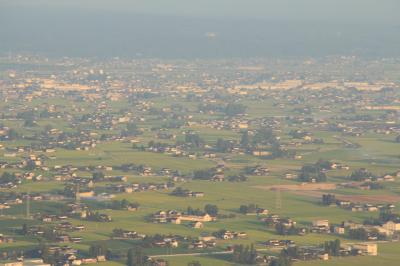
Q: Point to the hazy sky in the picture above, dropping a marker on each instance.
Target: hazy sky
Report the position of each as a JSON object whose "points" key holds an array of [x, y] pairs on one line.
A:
{"points": [[178, 28], [351, 10]]}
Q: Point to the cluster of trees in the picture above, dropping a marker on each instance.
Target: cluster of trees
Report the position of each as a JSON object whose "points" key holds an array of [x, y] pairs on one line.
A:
{"points": [[50, 233], [120, 204], [237, 178], [11, 135], [361, 174], [312, 173], [224, 145], [282, 229], [192, 211], [136, 257], [97, 217], [118, 232], [173, 124], [386, 214], [250, 208], [205, 174], [251, 170], [359, 234], [7, 177], [130, 167], [99, 249], [285, 257], [131, 130], [244, 254], [194, 140], [157, 145], [281, 261], [332, 247], [24, 230], [28, 117], [209, 209], [363, 234], [58, 258], [150, 240], [298, 134], [30, 165], [324, 164], [231, 109], [373, 185], [47, 257], [219, 233], [70, 190], [328, 199], [263, 139], [98, 176], [180, 192]]}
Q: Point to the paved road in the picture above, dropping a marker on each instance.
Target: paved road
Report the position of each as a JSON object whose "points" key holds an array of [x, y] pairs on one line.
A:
{"points": [[193, 254], [199, 253]]}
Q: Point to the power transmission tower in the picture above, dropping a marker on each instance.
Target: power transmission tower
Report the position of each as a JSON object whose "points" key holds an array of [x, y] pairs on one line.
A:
{"points": [[28, 205], [77, 196], [278, 199]]}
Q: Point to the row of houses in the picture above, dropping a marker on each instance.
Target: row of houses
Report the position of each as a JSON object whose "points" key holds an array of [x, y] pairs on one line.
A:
{"points": [[227, 234], [330, 200], [387, 229], [6, 239], [136, 187], [177, 217]]}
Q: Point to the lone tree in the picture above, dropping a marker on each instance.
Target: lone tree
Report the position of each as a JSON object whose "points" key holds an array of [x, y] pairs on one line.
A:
{"points": [[211, 209]]}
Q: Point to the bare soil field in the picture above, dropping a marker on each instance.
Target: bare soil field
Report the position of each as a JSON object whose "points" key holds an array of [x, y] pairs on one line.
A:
{"points": [[300, 187], [353, 198]]}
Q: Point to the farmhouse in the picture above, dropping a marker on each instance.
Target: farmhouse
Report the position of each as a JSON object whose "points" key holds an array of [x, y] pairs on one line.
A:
{"points": [[339, 230], [6, 239], [320, 226], [197, 225], [367, 248], [392, 226]]}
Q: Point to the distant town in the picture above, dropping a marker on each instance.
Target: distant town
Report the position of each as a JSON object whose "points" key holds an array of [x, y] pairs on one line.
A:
{"points": [[199, 162]]}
